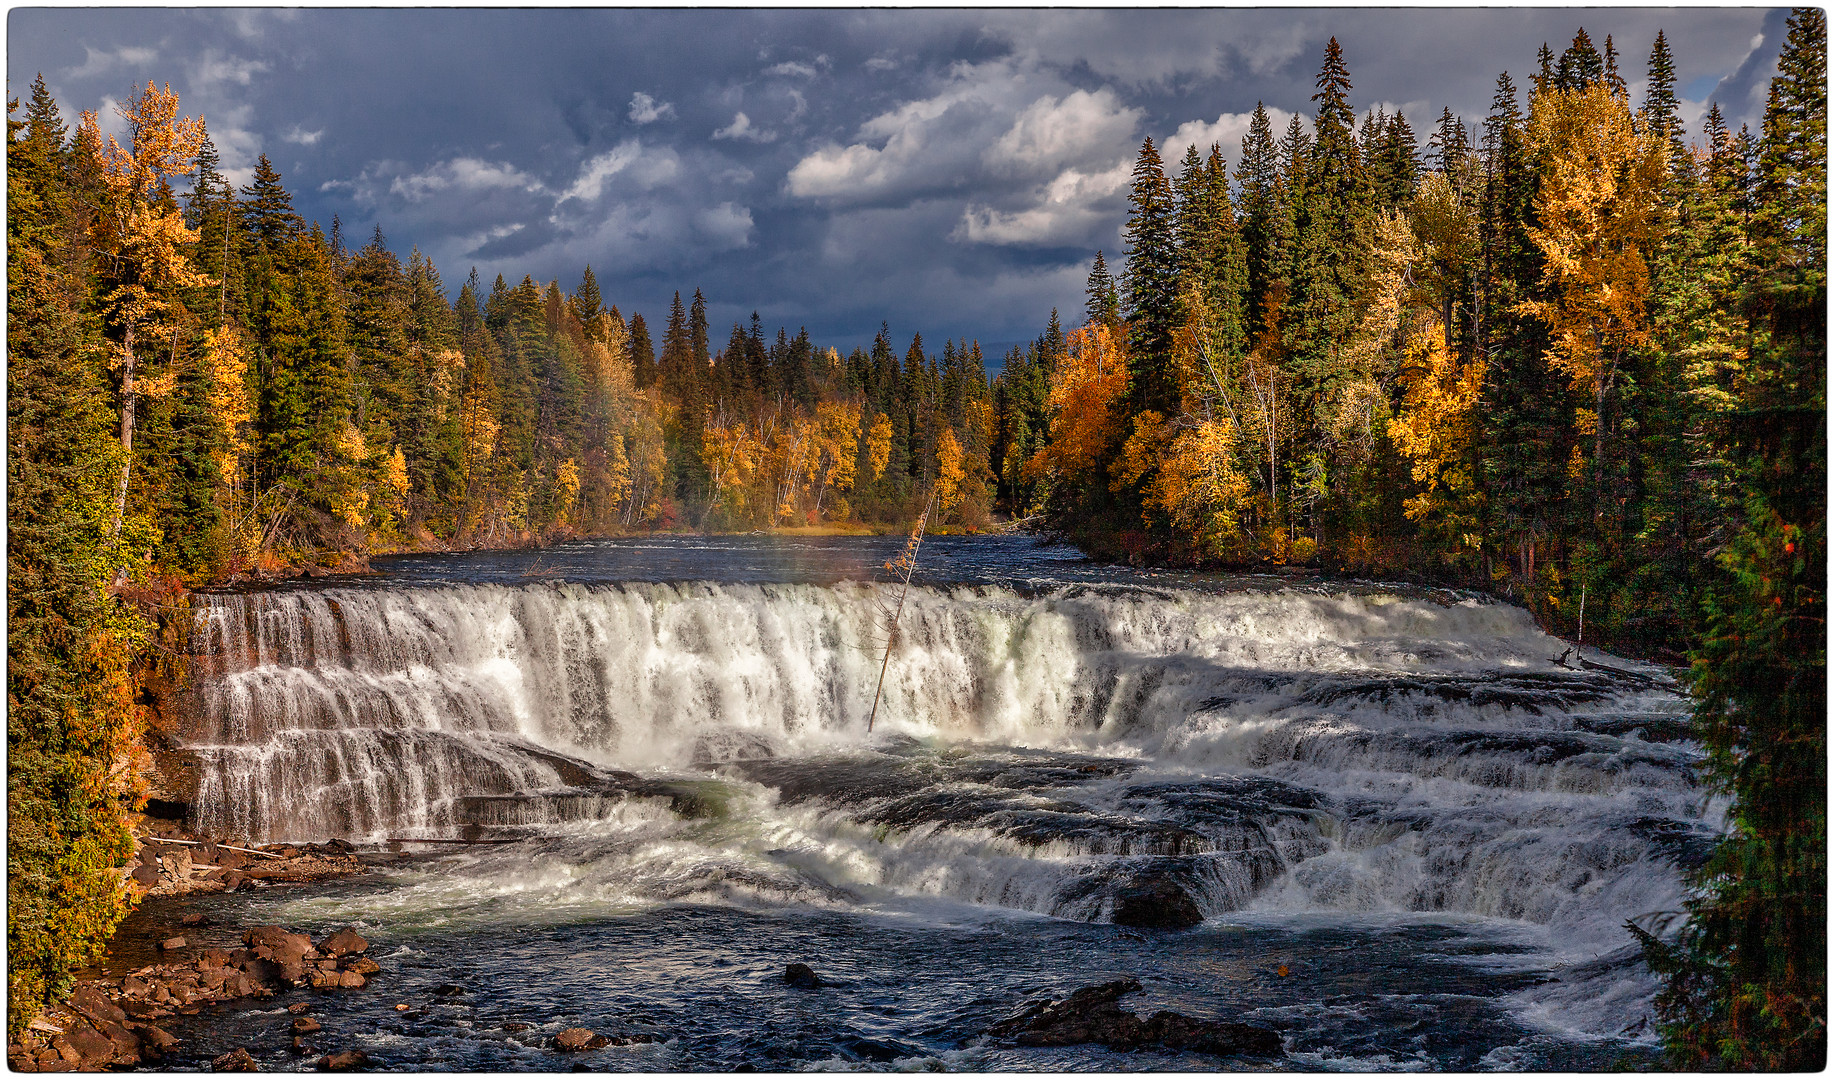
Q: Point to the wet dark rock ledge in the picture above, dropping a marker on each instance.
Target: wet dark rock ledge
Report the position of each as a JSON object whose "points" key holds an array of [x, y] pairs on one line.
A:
{"points": [[1094, 1015]]}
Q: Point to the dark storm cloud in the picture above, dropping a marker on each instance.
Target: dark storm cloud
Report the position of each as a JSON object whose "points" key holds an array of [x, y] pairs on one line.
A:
{"points": [[946, 171]]}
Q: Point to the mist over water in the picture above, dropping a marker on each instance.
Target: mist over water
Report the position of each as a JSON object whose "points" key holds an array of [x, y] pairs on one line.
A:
{"points": [[1382, 784]]}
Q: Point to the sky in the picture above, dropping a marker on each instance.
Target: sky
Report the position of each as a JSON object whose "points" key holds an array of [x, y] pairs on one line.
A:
{"points": [[945, 171]]}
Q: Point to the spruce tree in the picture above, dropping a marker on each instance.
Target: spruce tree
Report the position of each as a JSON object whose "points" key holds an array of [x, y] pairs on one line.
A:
{"points": [[587, 302], [1150, 284], [1660, 105], [1747, 981], [1579, 65], [267, 207], [1103, 306], [642, 353], [1257, 176], [1331, 230]]}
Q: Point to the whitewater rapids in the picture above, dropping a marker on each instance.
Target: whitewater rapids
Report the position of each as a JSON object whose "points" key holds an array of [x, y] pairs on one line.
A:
{"points": [[1363, 753]]}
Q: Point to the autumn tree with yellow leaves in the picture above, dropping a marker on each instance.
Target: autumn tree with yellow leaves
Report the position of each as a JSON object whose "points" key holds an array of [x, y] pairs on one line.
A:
{"points": [[143, 242], [1597, 224]]}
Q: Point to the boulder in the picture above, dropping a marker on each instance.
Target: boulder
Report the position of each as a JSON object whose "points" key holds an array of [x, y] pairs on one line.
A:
{"points": [[801, 976], [275, 937], [237, 1060], [1088, 1015], [345, 942], [234, 880], [286, 950], [449, 990], [85, 1047], [1093, 1015], [212, 958], [351, 980], [305, 1025], [146, 874], [158, 1038], [173, 944], [579, 1038], [91, 1002], [195, 918], [347, 1061], [299, 1007], [363, 965], [1155, 903]]}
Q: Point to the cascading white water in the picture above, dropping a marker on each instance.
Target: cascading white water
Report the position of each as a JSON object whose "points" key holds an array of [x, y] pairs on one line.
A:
{"points": [[1289, 750]]}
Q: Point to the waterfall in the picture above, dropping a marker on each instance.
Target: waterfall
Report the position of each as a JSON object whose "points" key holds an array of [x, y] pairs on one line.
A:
{"points": [[1299, 750]]}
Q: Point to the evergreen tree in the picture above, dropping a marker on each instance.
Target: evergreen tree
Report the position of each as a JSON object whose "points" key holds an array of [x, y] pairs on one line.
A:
{"points": [[1747, 982], [1150, 284], [1331, 229], [1257, 175], [1579, 65], [1104, 303], [267, 208], [642, 353], [1660, 105], [587, 302], [70, 642]]}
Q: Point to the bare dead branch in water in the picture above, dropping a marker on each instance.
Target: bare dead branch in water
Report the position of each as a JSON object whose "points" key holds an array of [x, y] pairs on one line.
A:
{"points": [[907, 563]]}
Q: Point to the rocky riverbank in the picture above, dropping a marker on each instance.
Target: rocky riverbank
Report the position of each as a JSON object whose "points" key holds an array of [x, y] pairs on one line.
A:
{"points": [[112, 1021]]}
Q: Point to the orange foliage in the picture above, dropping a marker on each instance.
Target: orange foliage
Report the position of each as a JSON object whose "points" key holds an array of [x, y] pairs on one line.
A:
{"points": [[1086, 393]]}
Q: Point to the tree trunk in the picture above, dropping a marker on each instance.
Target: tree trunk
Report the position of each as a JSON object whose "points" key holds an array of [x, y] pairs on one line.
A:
{"points": [[127, 429]]}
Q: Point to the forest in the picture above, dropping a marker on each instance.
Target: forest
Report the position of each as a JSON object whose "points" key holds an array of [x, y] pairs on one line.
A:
{"points": [[1569, 353]]}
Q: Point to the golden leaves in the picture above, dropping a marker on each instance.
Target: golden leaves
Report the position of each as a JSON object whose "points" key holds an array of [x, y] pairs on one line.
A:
{"points": [[1434, 430], [949, 471], [1200, 485], [1440, 396], [1597, 218], [879, 445], [1085, 392]]}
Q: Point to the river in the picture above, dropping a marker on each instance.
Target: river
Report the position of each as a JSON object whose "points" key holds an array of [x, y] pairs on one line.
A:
{"points": [[1411, 835]]}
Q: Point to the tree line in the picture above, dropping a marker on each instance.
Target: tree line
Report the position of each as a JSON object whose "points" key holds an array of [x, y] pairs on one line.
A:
{"points": [[1568, 355]]}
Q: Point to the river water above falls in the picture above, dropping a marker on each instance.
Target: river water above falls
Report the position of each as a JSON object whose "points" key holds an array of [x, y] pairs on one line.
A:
{"points": [[1407, 836]]}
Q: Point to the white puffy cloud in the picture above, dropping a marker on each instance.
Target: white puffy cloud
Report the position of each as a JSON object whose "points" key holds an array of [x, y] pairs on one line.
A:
{"points": [[462, 174], [741, 128], [728, 225], [645, 109], [215, 70], [300, 136], [643, 167], [925, 142], [1066, 210], [101, 62], [793, 67], [471, 242], [1051, 133]]}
